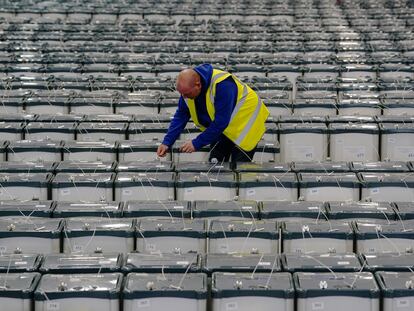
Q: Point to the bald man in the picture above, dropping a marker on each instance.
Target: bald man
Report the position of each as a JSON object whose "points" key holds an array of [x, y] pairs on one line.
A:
{"points": [[228, 112]]}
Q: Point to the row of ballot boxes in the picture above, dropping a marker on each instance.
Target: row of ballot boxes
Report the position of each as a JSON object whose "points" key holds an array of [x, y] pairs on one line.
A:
{"points": [[126, 150], [156, 166], [138, 122], [191, 186], [306, 139], [26, 234], [320, 95], [224, 291], [311, 99], [212, 210], [157, 262]]}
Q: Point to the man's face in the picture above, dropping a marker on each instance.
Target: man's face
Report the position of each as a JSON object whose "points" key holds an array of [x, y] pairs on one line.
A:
{"points": [[190, 91]]}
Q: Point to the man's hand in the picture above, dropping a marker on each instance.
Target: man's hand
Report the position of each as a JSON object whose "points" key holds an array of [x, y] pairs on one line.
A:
{"points": [[162, 150], [187, 147]]}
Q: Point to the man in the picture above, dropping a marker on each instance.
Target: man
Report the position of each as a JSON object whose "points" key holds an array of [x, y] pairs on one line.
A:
{"points": [[229, 113]]}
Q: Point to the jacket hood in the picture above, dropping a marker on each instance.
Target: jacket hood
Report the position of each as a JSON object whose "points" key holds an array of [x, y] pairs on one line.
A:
{"points": [[205, 71]]}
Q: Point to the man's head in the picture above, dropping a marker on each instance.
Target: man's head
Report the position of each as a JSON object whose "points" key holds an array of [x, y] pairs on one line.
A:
{"points": [[188, 83]]}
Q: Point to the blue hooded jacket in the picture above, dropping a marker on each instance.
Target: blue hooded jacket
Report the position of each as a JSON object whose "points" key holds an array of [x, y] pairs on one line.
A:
{"points": [[225, 100]]}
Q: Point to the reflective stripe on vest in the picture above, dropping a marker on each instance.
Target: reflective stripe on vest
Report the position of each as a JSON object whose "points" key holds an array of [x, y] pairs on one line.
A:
{"points": [[241, 102], [247, 122], [212, 82]]}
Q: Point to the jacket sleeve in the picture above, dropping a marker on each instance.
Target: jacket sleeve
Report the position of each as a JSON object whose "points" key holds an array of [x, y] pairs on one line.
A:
{"points": [[224, 101], [180, 119]]}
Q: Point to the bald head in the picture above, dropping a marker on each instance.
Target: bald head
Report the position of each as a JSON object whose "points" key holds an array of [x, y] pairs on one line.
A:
{"points": [[188, 83]]}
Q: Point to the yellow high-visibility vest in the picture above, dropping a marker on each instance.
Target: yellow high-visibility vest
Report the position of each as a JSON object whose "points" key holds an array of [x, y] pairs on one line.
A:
{"points": [[247, 121]]}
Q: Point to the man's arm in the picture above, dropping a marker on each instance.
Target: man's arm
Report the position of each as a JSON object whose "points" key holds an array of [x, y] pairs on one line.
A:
{"points": [[180, 119], [224, 101]]}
